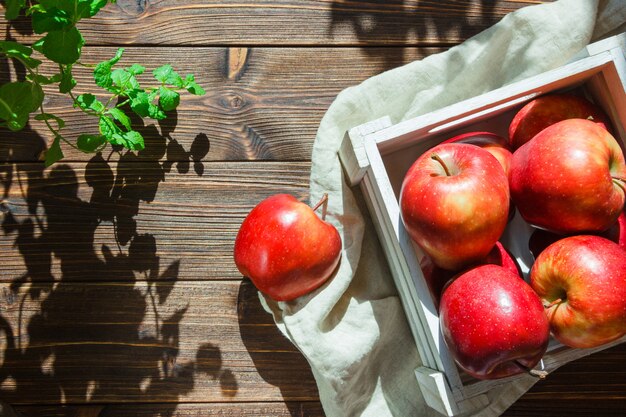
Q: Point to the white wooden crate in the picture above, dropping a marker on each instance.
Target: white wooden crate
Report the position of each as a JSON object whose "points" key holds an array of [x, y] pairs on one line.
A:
{"points": [[376, 156]]}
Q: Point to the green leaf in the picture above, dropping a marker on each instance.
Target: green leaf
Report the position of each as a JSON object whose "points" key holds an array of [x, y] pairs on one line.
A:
{"points": [[192, 87], [67, 81], [89, 102], [63, 46], [54, 152], [168, 99], [131, 140], [13, 8], [17, 100], [102, 72], [50, 20], [95, 6], [134, 140], [90, 143], [139, 102], [167, 75], [124, 80], [121, 117], [20, 52], [136, 69], [38, 45], [48, 117], [195, 89], [40, 79]]}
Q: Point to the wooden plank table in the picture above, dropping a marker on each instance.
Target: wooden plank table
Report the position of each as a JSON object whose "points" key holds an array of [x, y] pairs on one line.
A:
{"points": [[118, 293]]}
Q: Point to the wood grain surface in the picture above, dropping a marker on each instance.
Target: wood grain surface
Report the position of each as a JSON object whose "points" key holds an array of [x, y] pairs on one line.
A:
{"points": [[261, 103], [118, 293], [289, 22]]}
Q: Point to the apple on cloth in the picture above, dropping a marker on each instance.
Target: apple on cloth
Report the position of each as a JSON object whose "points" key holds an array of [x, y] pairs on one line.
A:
{"points": [[353, 331], [493, 323], [582, 281], [571, 177], [285, 249], [454, 203]]}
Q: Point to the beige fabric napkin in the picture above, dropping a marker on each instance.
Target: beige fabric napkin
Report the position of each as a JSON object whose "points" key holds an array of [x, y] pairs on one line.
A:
{"points": [[353, 330]]}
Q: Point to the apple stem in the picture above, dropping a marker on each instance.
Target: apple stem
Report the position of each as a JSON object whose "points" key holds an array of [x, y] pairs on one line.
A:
{"points": [[534, 372], [438, 159], [324, 203], [621, 182], [553, 303]]}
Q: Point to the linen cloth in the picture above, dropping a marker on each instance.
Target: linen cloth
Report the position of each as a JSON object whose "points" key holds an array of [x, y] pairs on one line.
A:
{"points": [[353, 330]]}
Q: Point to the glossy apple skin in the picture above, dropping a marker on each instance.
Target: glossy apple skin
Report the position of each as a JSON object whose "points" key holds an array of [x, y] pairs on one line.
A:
{"points": [[285, 248], [437, 277], [490, 318], [541, 239], [588, 273], [547, 110], [492, 143], [562, 180], [457, 218]]}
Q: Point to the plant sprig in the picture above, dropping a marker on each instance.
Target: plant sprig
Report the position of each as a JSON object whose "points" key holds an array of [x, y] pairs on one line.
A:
{"points": [[62, 43]]}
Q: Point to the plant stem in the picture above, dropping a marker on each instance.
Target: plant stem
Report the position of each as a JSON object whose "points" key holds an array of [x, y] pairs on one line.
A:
{"points": [[438, 159], [324, 203], [534, 372], [553, 303]]}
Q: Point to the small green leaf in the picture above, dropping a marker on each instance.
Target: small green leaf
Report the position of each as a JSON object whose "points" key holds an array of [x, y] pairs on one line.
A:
{"points": [[102, 72], [136, 69], [139, 102], [17, 100], [90, 143], [167, 75], [121, 117], [54, 152], [195, 89], [13, 8], [133, 140], [47, 116], [38, 45], [40, 79], [89, 102], [168, 99], [67, 81], [124, 80], [154, 112], [50, 20], [63, 46], [95, 6], [20, 52]]}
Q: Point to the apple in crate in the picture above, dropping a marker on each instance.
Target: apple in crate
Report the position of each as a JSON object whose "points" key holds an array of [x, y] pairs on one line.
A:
{"points": [[494, 144], [454, 203], [437, 277], [569, 178], [493, 323], [582, 281], [285, 248], [540, 239], [547, 110]]}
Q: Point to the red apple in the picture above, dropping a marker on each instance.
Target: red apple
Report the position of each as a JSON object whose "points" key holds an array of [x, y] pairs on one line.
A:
{"points": [[547, 110], [454, 203], [494, 144], [437, 277], [570, 178], [493, 323], [583, 281], [540, 239], [285, 248]]}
